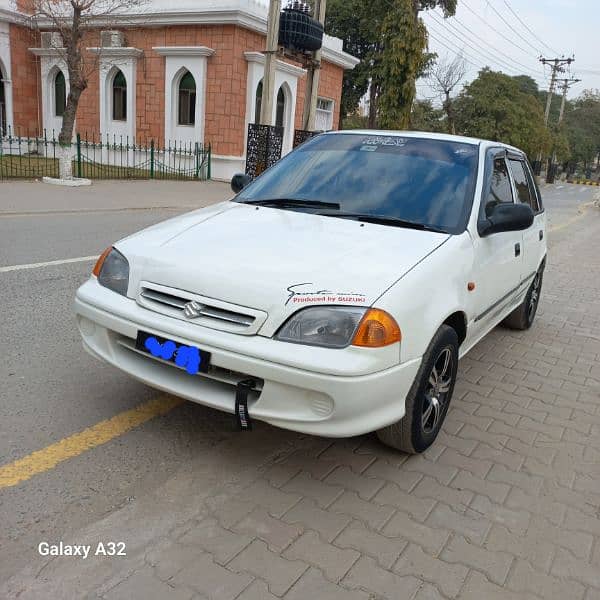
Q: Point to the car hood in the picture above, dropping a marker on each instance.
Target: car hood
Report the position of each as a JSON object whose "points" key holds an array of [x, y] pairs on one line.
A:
{"points": [[274, 260]]}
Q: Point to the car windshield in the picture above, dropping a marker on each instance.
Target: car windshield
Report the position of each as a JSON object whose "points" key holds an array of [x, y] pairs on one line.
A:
{"points": [[416, 180]]}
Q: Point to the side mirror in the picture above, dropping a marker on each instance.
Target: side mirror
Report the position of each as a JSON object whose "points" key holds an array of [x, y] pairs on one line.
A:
{"points": [[506, 217], [239, 181]]}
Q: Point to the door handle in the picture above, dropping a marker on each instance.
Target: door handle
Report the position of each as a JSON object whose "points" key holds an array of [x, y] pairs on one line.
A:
{"points": [[517, 249], [541, 235]]}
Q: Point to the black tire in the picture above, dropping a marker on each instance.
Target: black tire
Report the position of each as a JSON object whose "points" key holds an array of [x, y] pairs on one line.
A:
{"points": [[523, 316], [415, 433]]}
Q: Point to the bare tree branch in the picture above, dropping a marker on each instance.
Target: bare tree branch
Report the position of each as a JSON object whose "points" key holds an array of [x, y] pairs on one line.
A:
{"points": [[444, 77]]}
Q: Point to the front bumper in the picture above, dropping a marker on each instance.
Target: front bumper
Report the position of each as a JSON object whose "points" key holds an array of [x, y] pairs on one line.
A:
{"points": [[287, 396]]}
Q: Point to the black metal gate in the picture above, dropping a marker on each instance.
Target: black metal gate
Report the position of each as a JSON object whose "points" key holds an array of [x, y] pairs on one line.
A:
{"points": [[265, 144]]}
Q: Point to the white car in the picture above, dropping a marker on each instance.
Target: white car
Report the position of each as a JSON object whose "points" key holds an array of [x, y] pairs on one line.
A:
{"points": [[334, 294]]}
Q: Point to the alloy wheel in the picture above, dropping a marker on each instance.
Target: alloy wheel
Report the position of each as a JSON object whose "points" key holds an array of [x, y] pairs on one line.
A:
{"points": [[436, 392], [534, 297]]}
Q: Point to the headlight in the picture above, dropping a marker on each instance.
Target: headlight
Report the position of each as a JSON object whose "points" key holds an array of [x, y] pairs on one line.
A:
{"points": [[112, 271], [340, 326], [329, 326]]}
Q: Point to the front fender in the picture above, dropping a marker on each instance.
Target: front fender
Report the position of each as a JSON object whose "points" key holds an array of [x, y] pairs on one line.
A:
{"points": [[429, 293]]}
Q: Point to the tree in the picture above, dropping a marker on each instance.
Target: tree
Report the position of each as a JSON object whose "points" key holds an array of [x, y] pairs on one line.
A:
{"points": [[445, 76], [425, 117], [582, 128], [390, 40], [75, 21], [493, 107]]}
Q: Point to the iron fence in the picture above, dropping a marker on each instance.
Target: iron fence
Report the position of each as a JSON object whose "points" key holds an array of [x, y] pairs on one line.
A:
{"points": [[103, 157]]}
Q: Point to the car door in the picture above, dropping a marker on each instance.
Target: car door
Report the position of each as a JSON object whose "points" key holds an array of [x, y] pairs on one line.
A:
{"points": [[534, 242], [498, 256]]}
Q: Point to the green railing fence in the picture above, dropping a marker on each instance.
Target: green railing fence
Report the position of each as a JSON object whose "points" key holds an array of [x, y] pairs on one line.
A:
{"points": [[103, 157]]}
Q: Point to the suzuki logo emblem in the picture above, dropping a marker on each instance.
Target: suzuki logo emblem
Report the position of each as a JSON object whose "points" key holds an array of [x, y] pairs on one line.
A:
{"points": [[193, 310]]}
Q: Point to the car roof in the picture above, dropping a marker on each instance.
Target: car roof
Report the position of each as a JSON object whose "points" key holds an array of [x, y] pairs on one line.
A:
{"points": [[428, 135]]}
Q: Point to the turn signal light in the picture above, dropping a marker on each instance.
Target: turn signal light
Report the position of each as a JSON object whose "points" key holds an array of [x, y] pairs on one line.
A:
{"points": [[377, 329], [100, 261]]}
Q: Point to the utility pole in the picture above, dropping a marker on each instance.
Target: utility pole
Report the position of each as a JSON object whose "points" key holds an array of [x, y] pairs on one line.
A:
{"points": [[556, 64], [566, 84], [268, 90], [313, 75]]}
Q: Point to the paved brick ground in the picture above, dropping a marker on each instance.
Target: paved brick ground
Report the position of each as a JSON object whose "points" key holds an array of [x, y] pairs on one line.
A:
{"points": [[506, 504]]}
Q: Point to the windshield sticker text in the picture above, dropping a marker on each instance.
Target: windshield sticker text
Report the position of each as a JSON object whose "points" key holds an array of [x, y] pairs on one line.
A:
{"points": [[304, 296], [384, 141]]}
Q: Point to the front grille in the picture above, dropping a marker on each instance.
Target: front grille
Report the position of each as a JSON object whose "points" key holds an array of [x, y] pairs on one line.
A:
{"points": [[208, 311]]}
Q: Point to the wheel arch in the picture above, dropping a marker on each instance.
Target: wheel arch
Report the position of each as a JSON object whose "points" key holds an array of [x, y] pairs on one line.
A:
{"points": [[458, 321]]}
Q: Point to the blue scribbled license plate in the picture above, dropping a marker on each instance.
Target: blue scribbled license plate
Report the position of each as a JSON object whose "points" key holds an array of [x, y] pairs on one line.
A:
{"points": [[190, 358]]}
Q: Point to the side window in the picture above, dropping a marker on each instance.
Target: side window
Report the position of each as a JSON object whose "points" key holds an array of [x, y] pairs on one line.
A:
{"points": [[525, 192], [500, 188]]}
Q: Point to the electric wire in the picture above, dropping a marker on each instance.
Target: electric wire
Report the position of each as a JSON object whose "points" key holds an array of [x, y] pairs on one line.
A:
{"points": [[511, 28], [489, 55], [529, 29], [528, 52]]}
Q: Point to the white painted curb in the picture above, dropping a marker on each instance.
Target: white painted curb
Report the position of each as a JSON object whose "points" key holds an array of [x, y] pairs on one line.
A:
{"points": [[75, 182]]}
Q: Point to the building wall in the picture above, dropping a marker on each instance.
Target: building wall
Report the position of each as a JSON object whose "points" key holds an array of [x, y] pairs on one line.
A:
{"points": [[25, 81], [226, 82]]}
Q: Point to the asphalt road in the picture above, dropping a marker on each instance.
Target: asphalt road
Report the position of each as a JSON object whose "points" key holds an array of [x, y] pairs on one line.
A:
{"points": [[51, 389]]}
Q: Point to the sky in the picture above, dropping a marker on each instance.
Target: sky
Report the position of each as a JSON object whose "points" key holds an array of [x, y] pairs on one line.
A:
{"points": [[510, 36]]}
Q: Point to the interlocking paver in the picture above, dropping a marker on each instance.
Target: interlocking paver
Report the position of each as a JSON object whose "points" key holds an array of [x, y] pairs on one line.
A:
{"points": [[346, 454], [279, 573], [567, 565], [538, 552], [365, 487], [257, 590], [333, 561], [475, 466], [274, 500], [524, 578], [496, 492], [322, 493], [516, 521], [382, 469], [275, 532], [392, 495], [312, 585], [494, 564], [449, 578], [479, 588], [210, 579], [374, 515], [504, 456], [430, 488], [471, 524], [307, 514], [143, 584], [221, 543], [368, 575], [405, 527], [383, 549]]}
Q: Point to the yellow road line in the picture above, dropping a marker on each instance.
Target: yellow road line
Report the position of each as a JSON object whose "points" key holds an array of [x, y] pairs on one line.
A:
{"points": [[43, 460]]}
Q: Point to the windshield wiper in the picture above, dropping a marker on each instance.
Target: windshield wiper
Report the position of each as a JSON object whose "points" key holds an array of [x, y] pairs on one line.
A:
{"points": [[292, 203], [382, 220]]}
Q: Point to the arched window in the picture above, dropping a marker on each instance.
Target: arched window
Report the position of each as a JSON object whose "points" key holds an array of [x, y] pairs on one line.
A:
{"points": [[258, 102], [280, 114], [119, 96], [187, 100], [60, 94]]}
